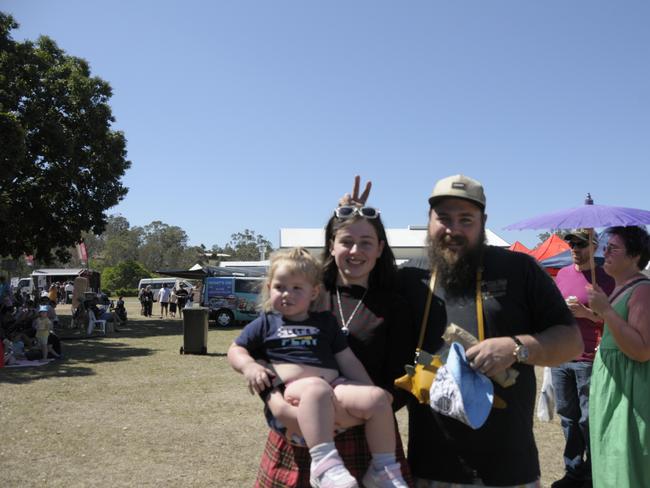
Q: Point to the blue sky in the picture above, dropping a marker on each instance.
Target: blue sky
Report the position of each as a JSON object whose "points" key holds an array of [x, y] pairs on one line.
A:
{"points": [[247, 114]]}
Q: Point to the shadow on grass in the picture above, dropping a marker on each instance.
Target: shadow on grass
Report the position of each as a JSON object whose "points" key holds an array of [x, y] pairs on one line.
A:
{"points": [[132, 329], [139, 328], [55, 369], [76, 354], [81, 352]]}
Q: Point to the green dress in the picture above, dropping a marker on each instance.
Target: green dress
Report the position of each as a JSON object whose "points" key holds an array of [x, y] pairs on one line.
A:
{"points": [[619, 413]]}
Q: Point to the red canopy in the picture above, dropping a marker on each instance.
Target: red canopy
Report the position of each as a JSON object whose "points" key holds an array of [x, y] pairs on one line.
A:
{"points": [[552, 246], [519, 247]]}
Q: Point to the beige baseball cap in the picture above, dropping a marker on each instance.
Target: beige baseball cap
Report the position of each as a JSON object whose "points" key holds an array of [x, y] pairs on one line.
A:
{"points": [[458, 186]]}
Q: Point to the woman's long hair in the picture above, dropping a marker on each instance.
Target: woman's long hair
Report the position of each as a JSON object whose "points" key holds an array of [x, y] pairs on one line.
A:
{"points": [[382, 277]]}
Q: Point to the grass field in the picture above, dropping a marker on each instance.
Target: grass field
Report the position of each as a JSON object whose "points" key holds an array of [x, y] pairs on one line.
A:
{"points": [[129, 410]]}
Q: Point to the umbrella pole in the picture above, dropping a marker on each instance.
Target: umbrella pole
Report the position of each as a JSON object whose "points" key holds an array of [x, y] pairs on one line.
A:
{"points": [[592, 261]]}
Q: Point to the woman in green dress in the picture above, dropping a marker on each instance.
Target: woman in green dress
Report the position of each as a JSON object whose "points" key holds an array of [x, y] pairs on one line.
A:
{"points": [[619, 401]]}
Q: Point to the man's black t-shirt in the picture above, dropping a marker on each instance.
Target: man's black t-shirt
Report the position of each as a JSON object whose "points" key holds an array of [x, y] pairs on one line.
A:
{"points": [[519, 297]]}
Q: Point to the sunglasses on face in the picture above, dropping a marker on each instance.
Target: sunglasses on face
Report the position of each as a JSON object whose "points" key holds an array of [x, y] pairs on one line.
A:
{"points": [[611, 249], [578, 244], [349, 211]]}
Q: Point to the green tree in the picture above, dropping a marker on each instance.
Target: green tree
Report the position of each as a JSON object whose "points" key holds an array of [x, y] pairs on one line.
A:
{"points": [[61, 163], [245, 246], [126, 274], [164, 246], [120, 241]]}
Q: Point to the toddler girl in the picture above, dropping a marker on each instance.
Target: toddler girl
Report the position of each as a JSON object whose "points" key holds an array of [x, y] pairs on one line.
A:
{"points": [[320, 374], [43, 325]]}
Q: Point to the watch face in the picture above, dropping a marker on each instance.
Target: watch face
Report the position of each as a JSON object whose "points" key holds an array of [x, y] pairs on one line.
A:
{"points": [[521, 353]]}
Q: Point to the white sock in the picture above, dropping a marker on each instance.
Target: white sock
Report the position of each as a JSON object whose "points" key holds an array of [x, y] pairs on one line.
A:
{"points": [[319, 451], [382, 459]]}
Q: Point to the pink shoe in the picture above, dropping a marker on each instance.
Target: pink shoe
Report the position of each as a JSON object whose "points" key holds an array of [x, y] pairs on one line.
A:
{"points": [[389, 477], [324, 476]]}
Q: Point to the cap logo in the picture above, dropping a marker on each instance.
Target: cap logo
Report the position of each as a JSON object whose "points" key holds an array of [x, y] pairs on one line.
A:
{"points": [[458, 185]]}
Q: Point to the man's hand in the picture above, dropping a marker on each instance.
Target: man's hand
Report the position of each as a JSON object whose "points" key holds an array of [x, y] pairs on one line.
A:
{"points": [[492, 356], [355, 198], [258, 377], [580, 311]]}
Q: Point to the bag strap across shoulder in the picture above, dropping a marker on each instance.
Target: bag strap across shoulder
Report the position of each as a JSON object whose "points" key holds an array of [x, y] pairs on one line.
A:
{"points": [[479, 308], [427, 307], [631, 284]]}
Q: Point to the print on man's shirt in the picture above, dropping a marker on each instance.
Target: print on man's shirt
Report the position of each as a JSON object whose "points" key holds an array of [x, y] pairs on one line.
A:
{"points": [[298, 335], [494, 289]]}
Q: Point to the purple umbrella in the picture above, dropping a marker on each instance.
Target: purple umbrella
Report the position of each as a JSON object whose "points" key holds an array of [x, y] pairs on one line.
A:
{"points": [[589, 216]]}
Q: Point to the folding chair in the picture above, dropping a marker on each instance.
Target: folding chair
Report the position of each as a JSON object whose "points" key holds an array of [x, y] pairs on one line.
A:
{"points": [[94, 322]]}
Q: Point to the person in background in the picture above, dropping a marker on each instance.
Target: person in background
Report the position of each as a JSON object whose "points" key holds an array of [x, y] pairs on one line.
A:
{"points": [[141, 292], [5, 293], [619, 400], [173, 301], [571, 379], [147, 300], [182, 294], [120, 309], [51, 313], [163, 298], [68, 291], [43, 327], [53, 294]]}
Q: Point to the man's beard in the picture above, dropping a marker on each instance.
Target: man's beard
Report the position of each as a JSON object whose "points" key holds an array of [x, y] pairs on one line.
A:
{"points": [[455, 272]]}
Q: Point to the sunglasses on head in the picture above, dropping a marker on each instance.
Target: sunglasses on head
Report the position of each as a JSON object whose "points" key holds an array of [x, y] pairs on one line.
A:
{"points": [[578, 244], [349, 211]]}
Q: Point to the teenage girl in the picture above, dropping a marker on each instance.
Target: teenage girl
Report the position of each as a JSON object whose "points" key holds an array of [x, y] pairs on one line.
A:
{"points": [[321, 376]]}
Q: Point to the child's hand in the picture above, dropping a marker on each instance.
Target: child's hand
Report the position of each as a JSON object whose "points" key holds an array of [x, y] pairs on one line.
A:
{"points": [[258, 377]]}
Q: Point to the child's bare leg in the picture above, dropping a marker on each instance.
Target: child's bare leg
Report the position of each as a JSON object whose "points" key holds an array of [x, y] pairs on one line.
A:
{"points": [[372, 406], [44, 350], [315, 400], [285, 413]]}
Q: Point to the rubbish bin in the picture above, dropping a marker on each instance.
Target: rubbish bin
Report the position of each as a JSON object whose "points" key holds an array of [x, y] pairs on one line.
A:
{"points": [[195, 331]]}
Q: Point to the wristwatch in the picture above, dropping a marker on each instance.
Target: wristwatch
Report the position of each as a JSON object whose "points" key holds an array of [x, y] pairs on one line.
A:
{"points": [[521, 351]]}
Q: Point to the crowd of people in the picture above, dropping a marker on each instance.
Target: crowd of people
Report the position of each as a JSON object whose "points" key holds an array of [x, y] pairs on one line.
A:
{"points": [[171, 300], [27, 325], [297, 362]]}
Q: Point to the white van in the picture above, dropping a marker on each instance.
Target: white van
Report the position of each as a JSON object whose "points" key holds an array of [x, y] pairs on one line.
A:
{"points": [[157, 283], [25, 285]]}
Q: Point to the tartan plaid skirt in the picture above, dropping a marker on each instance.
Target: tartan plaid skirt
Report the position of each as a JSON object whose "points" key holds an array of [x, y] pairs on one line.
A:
{"points": [[284, 465]]}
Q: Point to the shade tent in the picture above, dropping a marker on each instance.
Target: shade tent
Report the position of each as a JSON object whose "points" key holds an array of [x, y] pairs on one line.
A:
{"points": [[519, 247], [564, 259], [204, 272], [552, 246]]}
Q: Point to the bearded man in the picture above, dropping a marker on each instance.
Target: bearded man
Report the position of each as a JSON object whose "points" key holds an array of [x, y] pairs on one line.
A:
{"points": [[526, 323]]}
